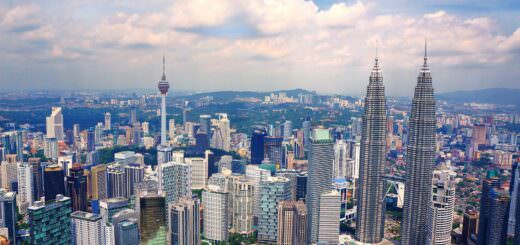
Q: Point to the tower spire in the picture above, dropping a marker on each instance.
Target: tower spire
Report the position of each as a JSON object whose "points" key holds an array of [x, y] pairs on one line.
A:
{"points": [[163, 68], [425, 53]]}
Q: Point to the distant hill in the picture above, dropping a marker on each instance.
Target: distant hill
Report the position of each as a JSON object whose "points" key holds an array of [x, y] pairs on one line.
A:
{"points": [[501, 96], [230, 95]]}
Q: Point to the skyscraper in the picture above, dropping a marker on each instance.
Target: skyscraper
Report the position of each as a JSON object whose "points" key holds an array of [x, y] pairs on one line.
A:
{"points": [[420, 158], [321, 158], [116, 182], [151, 206], [216, 213], [8, 213], [37, 174], [87, 228], [54, 124], [514, 190], [491, 181], [272, 191], [98, 182], [108, 121], [176, 181], [199, 172], [50, 224], [184, 221], [328, 221], [370, 209], [25, 185], [77, 188], [292, 223], [54, 182], [496, 230], [243, 198], [257, 145], [470, 224], [273, 149], [134, 174], [440, 215], [109, 207]]}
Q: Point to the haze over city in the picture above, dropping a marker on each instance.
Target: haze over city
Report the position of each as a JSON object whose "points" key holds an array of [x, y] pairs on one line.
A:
{"points": [[327, 46]]}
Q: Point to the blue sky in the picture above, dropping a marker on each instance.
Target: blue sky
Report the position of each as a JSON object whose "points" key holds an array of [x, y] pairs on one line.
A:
{"points": [[325, 45]]}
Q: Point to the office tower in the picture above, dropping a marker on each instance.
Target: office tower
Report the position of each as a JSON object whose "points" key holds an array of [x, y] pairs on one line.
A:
{"points": [[201, 141], [50, 148], [98, 182], [221, 138], [292, 223], [328, 219], [98, 133], [205, 123], [77, 188], [54, 124], [491, 181], [109, 207], [440, 215], [306, 127], [125, 224], [292, 175], [479, 133], [116, 182], [209, 159], [517, 216], [25, 185], [76, 130], [53, 182], [256, 175], [37, 175], [301, 186], [469, 224], [50, 224], [19, 145], [272, 191], [171, 129], [133, 116], [496, 230], [87, 228], [514, 190], [199, 172], [257, 145], [341, 166], [273, 149], [91, 140], [420, 158], [151, 206], [287, 130], [370, 209], [8, 215], [146, 128], [9, 174], [108, 121], [184, 221], [321, 158], [134, 174], [243, 197], [216, 213], [176, 181]]}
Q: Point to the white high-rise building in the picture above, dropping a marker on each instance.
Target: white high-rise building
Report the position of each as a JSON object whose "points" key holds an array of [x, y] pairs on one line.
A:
{"points": [[440, 214], [146, 128], [215, 202], [341, 161], [8, 174], [256, 175], [87, 228], [108, 121], [176, 181], [222, 136], [243, 206], [328, 221], [199, 172], [54, 124], [25, 185], [50, 148]]}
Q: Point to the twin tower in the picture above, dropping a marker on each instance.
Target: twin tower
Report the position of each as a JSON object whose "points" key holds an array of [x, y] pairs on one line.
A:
{"points": [[419, 161]]}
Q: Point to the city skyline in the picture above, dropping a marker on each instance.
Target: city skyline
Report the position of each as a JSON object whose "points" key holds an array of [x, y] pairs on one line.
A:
{"points": [[256, 46]]}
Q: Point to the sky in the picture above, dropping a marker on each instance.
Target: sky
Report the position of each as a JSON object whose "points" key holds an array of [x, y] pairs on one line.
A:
{"points": [[260, 45]]}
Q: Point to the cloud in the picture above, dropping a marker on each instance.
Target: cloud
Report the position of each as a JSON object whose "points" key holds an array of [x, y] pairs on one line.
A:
{"points": [[213, 43]]}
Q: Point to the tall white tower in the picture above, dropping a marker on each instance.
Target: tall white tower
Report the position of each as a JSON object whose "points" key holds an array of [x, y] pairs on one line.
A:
{"points": [[163, 86]]}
